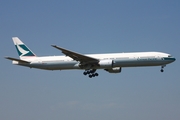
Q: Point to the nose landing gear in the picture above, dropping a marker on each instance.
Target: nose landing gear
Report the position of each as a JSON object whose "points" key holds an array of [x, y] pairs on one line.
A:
{"points": [[91, 73], [162, 68]]}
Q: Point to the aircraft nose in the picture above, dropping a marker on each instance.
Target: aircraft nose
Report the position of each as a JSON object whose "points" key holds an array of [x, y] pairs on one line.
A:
{"points": [[173, 59], [170, 59]]}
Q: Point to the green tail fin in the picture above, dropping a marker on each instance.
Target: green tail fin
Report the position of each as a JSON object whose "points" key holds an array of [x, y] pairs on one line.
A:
{"points": [[22, 49]]}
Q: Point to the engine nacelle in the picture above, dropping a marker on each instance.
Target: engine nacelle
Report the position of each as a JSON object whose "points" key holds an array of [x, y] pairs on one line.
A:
{"points": [[114, 70], [106, 63]]}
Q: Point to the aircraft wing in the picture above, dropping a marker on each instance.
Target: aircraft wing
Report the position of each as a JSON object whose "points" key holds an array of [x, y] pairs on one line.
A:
{"points": [[15, 59], [77, 56]]}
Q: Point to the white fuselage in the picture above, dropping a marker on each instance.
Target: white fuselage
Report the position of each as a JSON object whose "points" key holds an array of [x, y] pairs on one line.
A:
{"points": [[134, 59]]}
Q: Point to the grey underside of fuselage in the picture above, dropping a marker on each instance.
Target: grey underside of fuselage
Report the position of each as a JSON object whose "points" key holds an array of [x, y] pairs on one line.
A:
{"points": [[75, 65]]}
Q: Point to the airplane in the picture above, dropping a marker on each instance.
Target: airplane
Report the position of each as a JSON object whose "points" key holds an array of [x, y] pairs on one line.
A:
{"points": [[110, 62]]}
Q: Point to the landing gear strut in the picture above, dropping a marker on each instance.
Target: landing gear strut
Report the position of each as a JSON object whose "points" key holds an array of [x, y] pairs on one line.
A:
{"points": [[91, 73]]}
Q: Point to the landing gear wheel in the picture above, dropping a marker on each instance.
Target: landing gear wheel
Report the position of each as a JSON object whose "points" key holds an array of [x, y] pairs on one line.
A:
{"points": [[162, 70], [90, 76], [96, 74], [85, 73], [91, 73]]}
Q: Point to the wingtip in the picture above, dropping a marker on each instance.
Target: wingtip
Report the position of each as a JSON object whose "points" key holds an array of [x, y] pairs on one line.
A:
{"points": [[53, 45], [6, 57]]}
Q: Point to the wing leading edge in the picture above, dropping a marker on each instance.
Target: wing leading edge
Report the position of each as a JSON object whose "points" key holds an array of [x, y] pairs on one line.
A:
{"points": [[77, 56]]}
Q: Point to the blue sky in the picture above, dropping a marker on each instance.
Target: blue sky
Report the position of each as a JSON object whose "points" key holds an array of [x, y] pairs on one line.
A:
{"points": [[96, 26]]}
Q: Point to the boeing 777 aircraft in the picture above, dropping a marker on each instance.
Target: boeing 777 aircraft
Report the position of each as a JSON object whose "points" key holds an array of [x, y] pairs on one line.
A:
{"points": [[110, 62]]}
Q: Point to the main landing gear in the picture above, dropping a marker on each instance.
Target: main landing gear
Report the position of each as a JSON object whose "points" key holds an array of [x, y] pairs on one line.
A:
{"points": [[91, 73]]}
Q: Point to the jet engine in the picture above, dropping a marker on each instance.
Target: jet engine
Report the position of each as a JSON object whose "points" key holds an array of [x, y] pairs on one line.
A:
{"points": [[114, 70]]}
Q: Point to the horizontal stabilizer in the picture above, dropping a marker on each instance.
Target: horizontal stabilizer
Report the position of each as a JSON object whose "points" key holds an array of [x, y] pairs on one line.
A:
{"points": [[18, 60]]}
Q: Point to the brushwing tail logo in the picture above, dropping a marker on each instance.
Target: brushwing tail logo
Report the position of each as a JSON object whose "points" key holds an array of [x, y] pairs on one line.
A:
{"points": [[22, 51]]}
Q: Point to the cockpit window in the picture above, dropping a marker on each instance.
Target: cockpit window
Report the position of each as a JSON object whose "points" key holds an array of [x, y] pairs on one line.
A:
{"points": [[169, 56]]}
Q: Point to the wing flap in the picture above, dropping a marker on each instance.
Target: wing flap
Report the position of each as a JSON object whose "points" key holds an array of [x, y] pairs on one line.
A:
{"points": [[18, 60], [76, 56]]}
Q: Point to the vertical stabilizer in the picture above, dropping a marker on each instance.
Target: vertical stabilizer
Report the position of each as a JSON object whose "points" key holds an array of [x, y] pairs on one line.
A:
{"points": [[22, 49]]}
